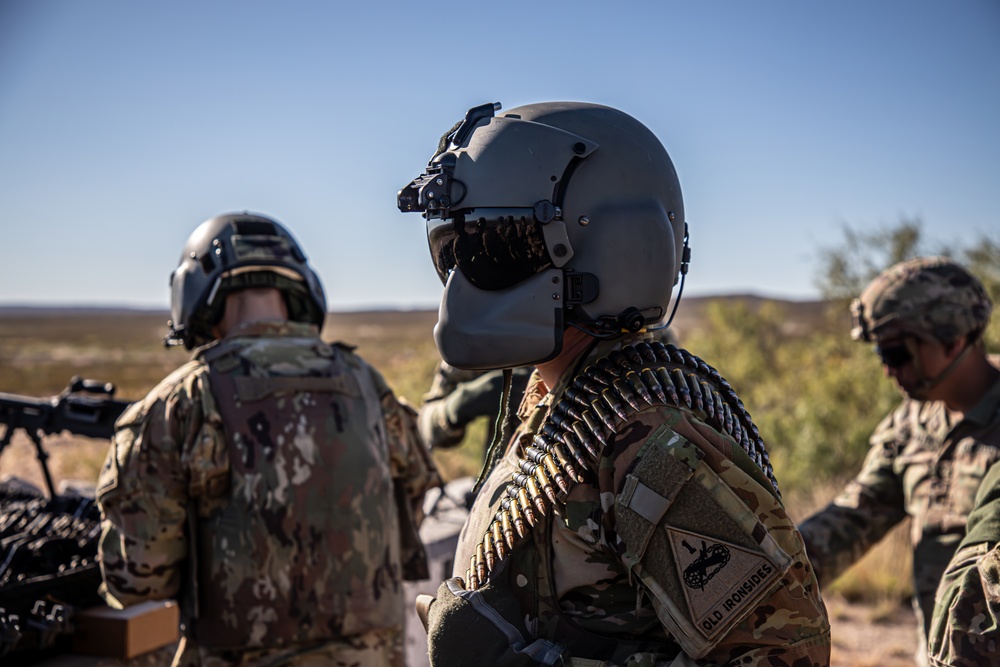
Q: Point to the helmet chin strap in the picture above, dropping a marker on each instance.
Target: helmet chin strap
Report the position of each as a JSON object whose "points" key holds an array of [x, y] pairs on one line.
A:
{"points": [[925, 384]]}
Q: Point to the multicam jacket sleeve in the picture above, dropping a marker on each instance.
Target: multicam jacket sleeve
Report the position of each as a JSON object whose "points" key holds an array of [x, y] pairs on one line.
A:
{"points": [[965, 629], [143, 488], [410, 458], [871, 504], [732, 620]]}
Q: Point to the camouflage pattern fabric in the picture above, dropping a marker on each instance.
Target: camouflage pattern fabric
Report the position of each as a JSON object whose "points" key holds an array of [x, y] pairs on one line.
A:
{"points": [[724, 577], [965, 631], [295, 512], [928, 297], [920, 465]]}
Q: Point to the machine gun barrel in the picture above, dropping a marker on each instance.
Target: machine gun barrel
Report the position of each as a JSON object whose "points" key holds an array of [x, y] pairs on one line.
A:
{"points": [[85, 407]]}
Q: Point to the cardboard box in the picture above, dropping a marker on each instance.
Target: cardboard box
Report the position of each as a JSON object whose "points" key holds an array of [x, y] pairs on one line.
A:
{"points": [[126, 633]]}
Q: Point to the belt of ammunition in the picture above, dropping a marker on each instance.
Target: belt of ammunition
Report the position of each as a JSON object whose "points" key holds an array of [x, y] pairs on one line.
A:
{"points": [[578, 427]]}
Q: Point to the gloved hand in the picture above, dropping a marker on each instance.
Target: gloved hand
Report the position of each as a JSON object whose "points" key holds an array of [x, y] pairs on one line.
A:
{"points": [[435, 429], [480, 627]]}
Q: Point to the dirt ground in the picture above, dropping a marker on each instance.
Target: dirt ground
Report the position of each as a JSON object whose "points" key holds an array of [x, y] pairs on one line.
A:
{"points": [[870, 636]]}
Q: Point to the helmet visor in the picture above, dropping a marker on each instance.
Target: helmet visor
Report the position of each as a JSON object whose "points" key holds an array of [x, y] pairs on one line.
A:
{"points": [[494, 248]]}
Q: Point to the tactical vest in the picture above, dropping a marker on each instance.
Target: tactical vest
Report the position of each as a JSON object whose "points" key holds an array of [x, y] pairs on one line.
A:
{"points": [[565, 447], [306, 548]]}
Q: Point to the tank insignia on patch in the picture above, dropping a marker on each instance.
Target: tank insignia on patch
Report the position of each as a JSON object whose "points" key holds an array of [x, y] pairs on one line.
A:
{"points": [[720, 579]]}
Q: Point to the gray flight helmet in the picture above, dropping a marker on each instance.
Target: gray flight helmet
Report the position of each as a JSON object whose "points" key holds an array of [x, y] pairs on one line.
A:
{"points": [[594, 200], [238, 251]]}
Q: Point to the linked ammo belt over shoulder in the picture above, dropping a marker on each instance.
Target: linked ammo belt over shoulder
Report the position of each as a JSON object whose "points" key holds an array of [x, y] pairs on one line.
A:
{"points": [[578, 427]]}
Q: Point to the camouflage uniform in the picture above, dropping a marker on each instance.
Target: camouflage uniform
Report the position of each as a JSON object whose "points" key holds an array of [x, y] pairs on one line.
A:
{"points": [[603, 582], [922, 463], [965, 630], [294, 505]]}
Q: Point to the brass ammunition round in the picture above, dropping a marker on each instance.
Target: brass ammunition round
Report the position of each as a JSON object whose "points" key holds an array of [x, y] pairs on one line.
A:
{"points": [[487, 545], [470, 575], [603, 415], [555, 473], [706, 392], [681, 384], [667, 383], [717, 402], [649, 377], [727, 416], [625, 391], [580, 431], [695, 389], [480, 562], [634, 359], [647, 353], [610, 397], [636, 382], [498, 541], [544, 482], [566, 463], [508, 528], [535, 495], [526, 506]]}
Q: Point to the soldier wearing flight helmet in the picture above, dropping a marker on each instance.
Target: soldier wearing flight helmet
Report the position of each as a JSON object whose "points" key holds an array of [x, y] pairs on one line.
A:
{"points": [[634, 517]]}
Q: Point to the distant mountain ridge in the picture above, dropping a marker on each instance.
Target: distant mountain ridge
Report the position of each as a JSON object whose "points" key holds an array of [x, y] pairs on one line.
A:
{"points": [[802, 316], [111, 309]]}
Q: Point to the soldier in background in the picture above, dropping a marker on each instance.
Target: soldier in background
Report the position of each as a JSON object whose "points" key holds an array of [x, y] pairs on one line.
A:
{"points": [[273, 483], [633, 518], [965, 629], [928, 457]]}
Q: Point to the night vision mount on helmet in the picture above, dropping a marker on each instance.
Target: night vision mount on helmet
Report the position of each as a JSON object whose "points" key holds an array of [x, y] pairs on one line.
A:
{"points": [[238, 251], [552, 214]]}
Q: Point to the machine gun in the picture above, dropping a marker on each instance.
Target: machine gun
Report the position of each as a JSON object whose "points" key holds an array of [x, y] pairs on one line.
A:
{"points": [[85, 407]]}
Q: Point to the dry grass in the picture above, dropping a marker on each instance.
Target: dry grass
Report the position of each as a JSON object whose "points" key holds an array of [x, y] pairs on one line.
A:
{"points": [[39, 352], [872, 624]]}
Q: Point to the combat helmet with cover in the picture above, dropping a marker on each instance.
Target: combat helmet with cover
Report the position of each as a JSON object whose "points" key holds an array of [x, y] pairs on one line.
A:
{"points": [[931, 298], [238, 251], [552, 214]]}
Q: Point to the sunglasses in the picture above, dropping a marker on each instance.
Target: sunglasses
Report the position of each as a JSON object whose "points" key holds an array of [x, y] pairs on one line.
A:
{"points": [[894, 356]]}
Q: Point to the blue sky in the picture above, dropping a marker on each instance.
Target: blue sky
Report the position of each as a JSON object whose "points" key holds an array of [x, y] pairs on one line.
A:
{"points": [[125, 124]]}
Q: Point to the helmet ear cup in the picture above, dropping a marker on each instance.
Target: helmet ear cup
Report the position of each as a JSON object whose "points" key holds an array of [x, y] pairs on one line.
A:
{"points": [[632, 320], [622, 207]]}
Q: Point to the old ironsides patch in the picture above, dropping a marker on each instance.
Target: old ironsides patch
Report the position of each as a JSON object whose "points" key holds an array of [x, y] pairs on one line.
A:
{"points": [[720, 579]]}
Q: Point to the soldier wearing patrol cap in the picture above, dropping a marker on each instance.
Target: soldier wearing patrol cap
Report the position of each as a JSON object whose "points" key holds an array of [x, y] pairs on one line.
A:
{"points": [[928, 457], [634, 517], [273, 483]]}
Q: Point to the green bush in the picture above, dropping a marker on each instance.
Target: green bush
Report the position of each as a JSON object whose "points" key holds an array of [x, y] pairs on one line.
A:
{"points": [[816, 397]]}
